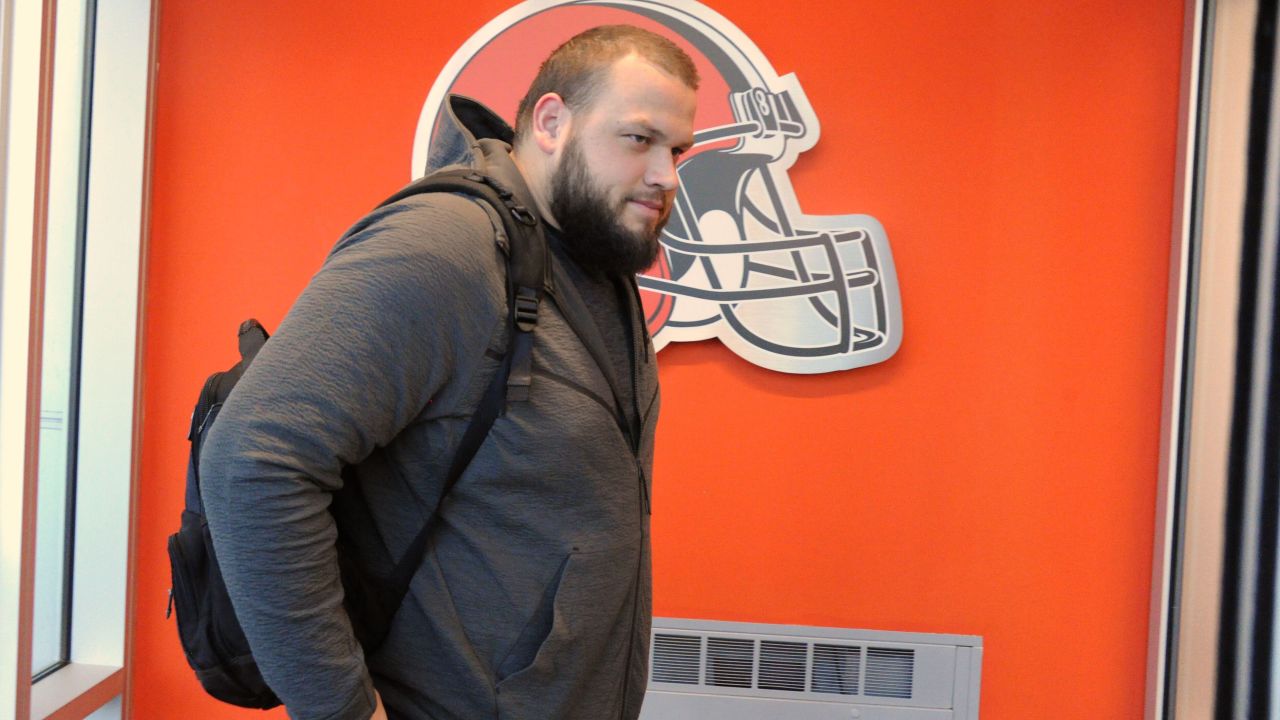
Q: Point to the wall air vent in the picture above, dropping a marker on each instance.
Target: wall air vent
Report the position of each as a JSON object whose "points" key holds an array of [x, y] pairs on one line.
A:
{"points": [[729, 661], [710, 670], [782, 665], [677, 659], [837, 668], [889, 672]]}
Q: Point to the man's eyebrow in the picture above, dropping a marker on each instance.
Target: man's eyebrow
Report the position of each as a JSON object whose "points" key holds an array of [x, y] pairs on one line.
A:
{"points": [[651, 131]]}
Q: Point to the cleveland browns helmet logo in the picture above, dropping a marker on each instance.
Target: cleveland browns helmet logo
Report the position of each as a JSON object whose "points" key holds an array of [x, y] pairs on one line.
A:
{"points": [[739, 262]]}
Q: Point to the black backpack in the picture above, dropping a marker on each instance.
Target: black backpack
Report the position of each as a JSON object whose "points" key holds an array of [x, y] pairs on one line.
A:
{"points": [[211, 635]]}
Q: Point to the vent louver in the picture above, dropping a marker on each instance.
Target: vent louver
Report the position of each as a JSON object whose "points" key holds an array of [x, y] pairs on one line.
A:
{"points": [[836, 669], [729, 662], [782, 665], [889, 672], [676, 658]]}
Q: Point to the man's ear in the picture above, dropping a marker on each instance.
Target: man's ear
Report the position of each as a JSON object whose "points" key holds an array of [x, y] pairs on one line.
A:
{"points": [[549, 122]]}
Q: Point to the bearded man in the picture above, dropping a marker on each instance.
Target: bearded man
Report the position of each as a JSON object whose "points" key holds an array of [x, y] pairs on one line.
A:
{"points": [[532, 599]]}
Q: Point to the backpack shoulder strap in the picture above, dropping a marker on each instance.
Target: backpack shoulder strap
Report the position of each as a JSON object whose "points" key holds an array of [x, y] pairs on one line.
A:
{"points": [[528, 274], [528, 269]]}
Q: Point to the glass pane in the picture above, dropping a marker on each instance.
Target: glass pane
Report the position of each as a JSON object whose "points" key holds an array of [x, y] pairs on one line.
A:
{"points": [[58, 389]]}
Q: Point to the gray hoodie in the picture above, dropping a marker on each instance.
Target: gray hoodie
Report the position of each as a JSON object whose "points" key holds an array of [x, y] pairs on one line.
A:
{"points": [[533, 600]]}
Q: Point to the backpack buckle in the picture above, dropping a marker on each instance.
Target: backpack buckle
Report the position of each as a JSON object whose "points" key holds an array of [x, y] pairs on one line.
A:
{"points": [[526, 308], [522, 214], [518, 211]]}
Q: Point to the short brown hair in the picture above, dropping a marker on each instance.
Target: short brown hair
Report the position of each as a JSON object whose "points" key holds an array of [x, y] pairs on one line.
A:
{"points": [[575, 69]]}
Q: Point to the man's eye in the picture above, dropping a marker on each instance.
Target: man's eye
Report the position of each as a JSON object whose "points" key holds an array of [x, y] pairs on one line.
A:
{"points": [[638, 139]]}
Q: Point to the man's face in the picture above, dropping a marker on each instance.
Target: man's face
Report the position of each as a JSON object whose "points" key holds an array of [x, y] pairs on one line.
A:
{"points": [[615, 178]]}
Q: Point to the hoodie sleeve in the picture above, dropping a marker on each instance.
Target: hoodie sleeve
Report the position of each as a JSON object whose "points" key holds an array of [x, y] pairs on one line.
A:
{"points": [[406, 300]]}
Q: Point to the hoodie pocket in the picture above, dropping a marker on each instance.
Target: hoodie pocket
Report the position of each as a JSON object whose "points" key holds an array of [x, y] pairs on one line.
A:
{"points": [[578, 668]]}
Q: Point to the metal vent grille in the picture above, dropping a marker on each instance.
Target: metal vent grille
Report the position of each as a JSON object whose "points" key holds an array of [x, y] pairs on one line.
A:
{"points": [[712, 670], [729, 662], [836, 669], [889, 672], [782, 665], [676, 658]]}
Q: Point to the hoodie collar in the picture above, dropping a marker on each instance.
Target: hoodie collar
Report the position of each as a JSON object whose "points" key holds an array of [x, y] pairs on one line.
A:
{"points": [[468, 134]]}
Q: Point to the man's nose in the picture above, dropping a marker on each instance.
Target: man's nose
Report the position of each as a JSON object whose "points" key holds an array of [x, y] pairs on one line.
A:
{"points": [[662, 172]]}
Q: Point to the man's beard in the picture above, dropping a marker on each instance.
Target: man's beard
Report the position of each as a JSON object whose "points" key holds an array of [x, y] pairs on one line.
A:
{"points": [[594, 234]]}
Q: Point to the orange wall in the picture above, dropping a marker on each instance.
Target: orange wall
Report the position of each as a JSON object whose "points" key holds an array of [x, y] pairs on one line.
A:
{"points": [[996, 477]]}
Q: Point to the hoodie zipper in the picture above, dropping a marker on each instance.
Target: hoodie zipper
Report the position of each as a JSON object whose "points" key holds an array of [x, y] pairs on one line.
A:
{"points": [[639, 353]]}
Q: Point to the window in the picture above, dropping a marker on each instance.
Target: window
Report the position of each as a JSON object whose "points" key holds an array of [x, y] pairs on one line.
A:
{"points": [[73, 116], [60, 357]]}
